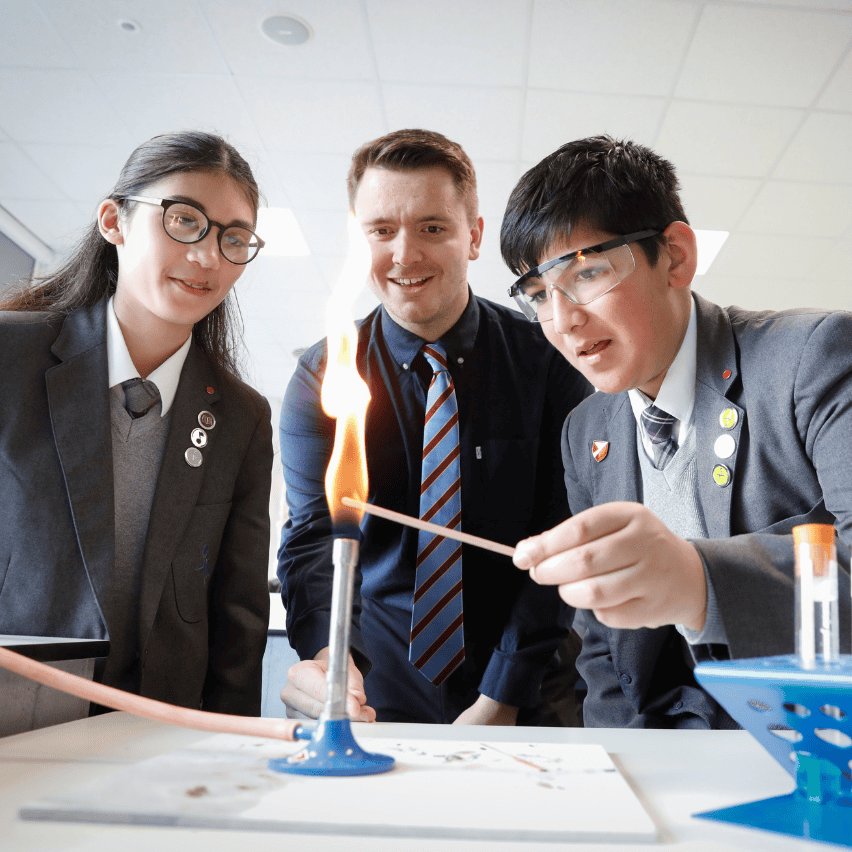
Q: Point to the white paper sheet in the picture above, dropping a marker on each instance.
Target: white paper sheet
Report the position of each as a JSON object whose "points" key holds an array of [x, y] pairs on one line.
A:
{"points": [[448, 789]]}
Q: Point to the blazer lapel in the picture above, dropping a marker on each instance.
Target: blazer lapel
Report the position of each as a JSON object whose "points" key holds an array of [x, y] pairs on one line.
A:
{"points": [[78, 398], [617, 476], [178, 482], [717, 372]]}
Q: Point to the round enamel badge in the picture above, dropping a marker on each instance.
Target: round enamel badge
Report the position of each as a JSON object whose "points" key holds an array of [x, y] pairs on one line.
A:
{"points": [[721, 475]]}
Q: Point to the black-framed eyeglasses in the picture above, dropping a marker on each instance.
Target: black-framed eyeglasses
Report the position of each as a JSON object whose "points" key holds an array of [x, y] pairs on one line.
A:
{"points": [[581, 276], [185, 223]]}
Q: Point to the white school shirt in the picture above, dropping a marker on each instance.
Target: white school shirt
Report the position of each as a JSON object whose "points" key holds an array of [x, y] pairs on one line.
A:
{"points": [[122, 368], [677, 393]]}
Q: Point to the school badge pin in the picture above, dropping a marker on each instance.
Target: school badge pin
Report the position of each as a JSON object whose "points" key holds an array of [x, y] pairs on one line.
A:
{"points": [[599, 450]]}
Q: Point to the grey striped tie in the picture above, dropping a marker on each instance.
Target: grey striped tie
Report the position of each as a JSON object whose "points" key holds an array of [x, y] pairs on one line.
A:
{"points": [[658, 426], [139, 397]]}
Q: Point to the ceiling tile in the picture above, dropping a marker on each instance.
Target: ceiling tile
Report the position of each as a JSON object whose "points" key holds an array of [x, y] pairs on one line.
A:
{"points": [[716, 203], [463, 68], [490, 253], [364, 304], [285, 314], [266, 174], [759, 293], [818, 210], [338, 49], [846, 242], [29, 39], [763, 255], [282, 305], [744, 292], [331, 268], [67, 100], [301, 334], [21, 178], [725, 139], [494, 182], [486, 122], [485, 42], [833, 266], [743, 55], [628, 31], [162, 103], [311, 116], [85, 173], [59, 224], [324, 230], [553, 118], [172, 38], [282, 295], [827, 5], [315, 180], [830, 295], [838, 93], [821, 151], [491, 280], [269, 368], [277, 278]]}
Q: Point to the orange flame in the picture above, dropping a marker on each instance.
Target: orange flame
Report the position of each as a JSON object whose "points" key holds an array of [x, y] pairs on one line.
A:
{"points": [[345, 395]]}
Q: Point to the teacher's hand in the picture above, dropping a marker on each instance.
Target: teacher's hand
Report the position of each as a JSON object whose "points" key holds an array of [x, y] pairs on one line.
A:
{"points": [[487, 711], [306, 690]]}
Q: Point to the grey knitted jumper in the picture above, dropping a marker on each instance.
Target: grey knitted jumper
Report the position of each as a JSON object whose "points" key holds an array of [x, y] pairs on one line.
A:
{"points": [[671, 493], [137, 449]]}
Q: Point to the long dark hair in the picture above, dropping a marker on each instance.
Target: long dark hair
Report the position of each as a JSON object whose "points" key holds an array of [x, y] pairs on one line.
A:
{"points": [[90, 272]]}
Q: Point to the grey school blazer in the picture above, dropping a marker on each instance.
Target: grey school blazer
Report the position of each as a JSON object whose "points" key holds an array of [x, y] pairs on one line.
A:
{"points": [[204, 600], [788, 378]]}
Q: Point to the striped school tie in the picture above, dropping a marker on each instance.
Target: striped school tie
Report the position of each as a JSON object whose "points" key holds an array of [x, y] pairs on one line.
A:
{"points": [[658, 426], [437, 633]]}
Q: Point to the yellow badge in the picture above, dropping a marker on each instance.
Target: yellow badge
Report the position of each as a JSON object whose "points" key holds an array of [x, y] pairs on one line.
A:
{"points": [[599, 450], [728, 418], [721, 475]]}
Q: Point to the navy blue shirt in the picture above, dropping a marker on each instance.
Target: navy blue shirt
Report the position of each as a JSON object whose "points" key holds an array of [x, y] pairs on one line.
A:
{"points": [[514, 391]]}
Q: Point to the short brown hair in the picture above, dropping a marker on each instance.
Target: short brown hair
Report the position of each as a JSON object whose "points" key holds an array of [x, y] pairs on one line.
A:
{"points": [[409, 150]]}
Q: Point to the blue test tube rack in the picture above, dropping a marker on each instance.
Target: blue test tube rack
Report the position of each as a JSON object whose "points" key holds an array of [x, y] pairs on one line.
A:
{"points": [[803, 718]]}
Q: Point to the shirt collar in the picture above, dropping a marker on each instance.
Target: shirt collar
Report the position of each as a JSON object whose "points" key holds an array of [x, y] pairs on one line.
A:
{"points": [[122, 368], [458, 341], [677, 393]]}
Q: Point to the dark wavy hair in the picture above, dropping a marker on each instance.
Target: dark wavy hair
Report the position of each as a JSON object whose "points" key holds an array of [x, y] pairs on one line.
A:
{"points": [[410, 150], [609, 184], [90, 273]]}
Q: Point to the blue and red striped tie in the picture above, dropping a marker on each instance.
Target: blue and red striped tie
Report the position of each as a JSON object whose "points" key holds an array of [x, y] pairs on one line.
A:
{"points": [[437, 633]]}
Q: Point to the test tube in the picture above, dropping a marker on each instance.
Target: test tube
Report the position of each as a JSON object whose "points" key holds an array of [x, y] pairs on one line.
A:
{"points": [[817, 633]]}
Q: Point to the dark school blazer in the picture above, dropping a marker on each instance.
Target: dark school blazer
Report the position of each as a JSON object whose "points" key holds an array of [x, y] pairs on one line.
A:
{"points": [[204, 604], [788, 378]]}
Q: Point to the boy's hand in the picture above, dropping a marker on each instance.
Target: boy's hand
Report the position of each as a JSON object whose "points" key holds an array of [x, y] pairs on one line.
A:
{"points": [[622, 562]]}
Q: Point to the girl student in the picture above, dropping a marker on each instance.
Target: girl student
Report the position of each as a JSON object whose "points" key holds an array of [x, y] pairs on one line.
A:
{"points": [[134, 464]]}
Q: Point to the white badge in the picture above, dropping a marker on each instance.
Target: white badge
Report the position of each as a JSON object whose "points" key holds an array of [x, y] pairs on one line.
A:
{"points": [[724, 446]]}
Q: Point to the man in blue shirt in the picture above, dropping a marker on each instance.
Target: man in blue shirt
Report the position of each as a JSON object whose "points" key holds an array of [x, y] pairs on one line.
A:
{"points": [[414, 194]]}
